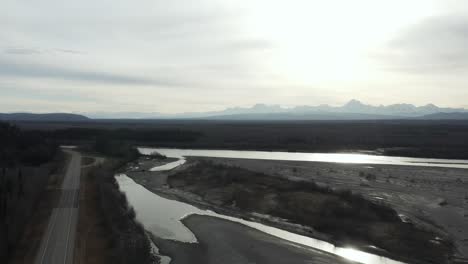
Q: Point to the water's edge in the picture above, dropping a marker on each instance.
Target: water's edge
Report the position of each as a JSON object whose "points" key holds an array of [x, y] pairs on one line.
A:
{"points": [[316, 157], [169, 225]]}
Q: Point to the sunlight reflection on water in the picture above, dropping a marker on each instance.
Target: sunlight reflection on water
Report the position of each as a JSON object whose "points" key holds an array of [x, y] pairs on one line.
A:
{"points": [[317, 157], [169, 226]]}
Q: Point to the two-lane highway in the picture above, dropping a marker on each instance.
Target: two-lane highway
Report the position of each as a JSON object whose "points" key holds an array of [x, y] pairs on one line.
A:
{"points": [[59, 239]]}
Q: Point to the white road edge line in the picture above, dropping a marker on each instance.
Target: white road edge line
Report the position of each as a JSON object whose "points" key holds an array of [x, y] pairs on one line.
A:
{"points": [[46, 246], [68, 236]]}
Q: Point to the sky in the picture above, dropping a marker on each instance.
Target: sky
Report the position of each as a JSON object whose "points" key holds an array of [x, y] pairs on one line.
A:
{"points": [[175, 56]]}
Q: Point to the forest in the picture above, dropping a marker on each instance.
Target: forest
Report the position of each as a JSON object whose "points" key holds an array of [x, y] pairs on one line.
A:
{"points": [[27, 160]]}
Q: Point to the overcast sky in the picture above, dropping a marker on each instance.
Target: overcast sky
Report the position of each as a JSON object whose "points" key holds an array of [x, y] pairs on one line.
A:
{"points": [[186, 56]]}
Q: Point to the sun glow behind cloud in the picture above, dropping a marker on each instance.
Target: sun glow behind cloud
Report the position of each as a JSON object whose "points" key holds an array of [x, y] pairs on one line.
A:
{"points": [[185, 56], [330, 40]]}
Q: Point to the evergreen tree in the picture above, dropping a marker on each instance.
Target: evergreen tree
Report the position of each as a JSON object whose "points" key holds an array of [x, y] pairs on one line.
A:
{"points": [[2, 194], [20, 183]]}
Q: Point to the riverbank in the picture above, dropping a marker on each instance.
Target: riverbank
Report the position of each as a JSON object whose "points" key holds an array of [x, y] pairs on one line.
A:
{"points": [[434, 198], [294, 170], [222, 241], [165, 218], [127, 239]]}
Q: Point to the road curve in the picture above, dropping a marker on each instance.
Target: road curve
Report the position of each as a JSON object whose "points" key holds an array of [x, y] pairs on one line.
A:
{"points": [[58, 242]]}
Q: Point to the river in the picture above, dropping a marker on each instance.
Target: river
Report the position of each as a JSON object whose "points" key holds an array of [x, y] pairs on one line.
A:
{"points": [[172, 224], [299, 156]]}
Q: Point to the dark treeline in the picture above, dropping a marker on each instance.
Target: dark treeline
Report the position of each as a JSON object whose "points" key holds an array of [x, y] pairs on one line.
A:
{"points": [[418, 139], [438, 139], [24, 146], [27, 158], [35, 147], [113, 142], [115, 148], [124, 134]]}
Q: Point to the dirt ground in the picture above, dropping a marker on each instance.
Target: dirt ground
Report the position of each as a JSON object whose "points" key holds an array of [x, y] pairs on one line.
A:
{"points": [[92, 245], [222, 241]]}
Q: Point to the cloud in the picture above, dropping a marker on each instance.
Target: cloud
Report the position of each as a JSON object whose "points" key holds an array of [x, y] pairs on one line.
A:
{"points": [[68, 51], [435, 45], [153, 43], [24, 70], [32, 51], [180, 55], [21, 51]]}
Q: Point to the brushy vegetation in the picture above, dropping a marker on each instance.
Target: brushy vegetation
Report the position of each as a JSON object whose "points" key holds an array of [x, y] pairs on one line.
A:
{"points": [[129, 242], [157, 155], [128, 238], [115, 149], [344, 216]]}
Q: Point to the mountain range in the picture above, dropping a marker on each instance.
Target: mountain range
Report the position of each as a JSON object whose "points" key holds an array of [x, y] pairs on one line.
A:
{"points": [[353, 110]]}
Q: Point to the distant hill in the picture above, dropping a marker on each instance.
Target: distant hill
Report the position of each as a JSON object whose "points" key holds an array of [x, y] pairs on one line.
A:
{"points": [[42, 117], [353, 110], [446, 116]]}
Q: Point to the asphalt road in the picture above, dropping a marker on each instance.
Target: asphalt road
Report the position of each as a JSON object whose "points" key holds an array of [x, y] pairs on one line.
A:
{"points": [[59, 239]]}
